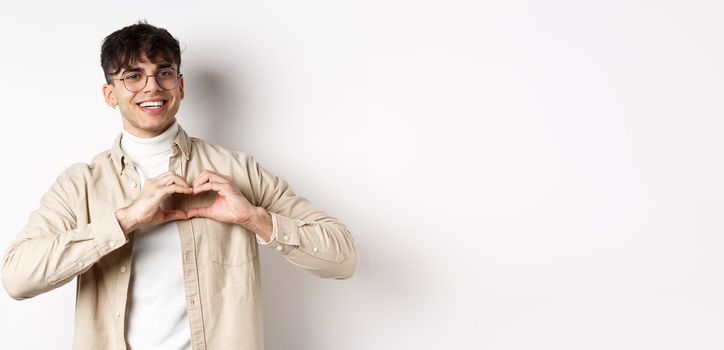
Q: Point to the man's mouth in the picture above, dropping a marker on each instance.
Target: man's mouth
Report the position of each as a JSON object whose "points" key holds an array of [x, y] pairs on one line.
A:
{"points": [[152, 104]]}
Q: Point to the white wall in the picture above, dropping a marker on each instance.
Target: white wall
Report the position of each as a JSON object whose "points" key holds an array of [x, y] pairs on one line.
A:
{"points": [[517, 174]]}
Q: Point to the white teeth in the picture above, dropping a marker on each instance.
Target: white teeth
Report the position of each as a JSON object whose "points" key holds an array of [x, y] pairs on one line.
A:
{"points": [[151, 104]]}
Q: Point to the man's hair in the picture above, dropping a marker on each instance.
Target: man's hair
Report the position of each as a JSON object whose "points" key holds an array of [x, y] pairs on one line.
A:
{"points": [[126, 46]]}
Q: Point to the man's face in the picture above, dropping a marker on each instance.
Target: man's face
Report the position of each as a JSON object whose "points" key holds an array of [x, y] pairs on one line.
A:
{"points": [[140, 117]]}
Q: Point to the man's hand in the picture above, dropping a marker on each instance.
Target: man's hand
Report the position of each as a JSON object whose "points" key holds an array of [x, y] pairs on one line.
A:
{"points": [[146, 208], [230, 204]]}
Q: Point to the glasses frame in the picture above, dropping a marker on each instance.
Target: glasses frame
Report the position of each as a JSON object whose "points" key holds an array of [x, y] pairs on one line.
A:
{"points": [[178, 76]]}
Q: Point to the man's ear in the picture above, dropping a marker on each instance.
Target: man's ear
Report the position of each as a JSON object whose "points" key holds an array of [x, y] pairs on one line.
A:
{"points": [[109, 95], [181, 86]]}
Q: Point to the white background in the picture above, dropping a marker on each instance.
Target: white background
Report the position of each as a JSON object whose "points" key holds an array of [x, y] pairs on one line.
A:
{"points": [[516, 174]]}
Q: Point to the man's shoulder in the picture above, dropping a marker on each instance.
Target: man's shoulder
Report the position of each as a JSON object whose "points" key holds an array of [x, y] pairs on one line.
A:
{"points": [[216, 152], [82, 171], [101, 157], [76, 173]]}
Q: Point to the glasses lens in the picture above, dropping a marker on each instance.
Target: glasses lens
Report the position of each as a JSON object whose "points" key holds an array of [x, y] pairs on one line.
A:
{"points": [[134, 81], [167, 78]]}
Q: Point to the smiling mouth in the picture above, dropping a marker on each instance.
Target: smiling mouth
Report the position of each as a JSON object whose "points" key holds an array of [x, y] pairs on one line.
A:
{"points": [[152, 104]]}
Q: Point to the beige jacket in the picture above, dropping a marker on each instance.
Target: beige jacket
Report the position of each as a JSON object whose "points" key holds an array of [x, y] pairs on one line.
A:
{"points": [[75, 233]]}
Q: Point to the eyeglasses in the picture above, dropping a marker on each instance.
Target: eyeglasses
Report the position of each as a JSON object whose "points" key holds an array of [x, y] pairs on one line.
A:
{"points": [[166, 78]]}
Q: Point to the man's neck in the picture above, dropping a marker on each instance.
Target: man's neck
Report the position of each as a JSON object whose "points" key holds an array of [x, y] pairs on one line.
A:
{"points": [[135, 146]]}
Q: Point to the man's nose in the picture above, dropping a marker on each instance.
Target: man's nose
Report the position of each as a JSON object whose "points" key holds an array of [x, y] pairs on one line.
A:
{"points": [[152, 84]]}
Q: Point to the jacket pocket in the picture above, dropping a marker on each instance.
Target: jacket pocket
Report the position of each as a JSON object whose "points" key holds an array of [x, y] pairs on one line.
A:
{"points": [[230, 244]]}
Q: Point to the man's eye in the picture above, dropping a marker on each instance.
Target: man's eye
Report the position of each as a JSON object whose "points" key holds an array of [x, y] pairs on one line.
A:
{"points": [[166, 73], [134, 76]]}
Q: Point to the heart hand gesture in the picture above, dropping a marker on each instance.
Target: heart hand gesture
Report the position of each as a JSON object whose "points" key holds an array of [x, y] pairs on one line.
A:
{"points": [[229, 206]]}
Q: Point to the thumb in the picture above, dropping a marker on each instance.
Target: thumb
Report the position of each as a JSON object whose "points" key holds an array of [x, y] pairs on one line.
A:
{"points": [[172, 215], [194, 212]]}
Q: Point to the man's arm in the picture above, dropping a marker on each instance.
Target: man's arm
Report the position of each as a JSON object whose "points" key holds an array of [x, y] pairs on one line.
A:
{"points": [[306, 236], [53, 248]]}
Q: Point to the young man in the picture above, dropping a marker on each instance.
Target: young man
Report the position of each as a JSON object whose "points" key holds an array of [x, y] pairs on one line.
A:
{"points": [[161, 230]]}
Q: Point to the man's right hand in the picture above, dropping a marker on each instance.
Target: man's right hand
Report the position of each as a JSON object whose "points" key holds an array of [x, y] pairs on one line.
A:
{"points": [[146, 211]]}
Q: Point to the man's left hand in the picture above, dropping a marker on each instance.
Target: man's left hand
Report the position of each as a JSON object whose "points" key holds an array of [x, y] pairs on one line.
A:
{"points": [[230, 204]]}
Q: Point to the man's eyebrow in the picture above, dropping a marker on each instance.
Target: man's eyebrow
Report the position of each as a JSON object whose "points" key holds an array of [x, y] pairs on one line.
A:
{"points": [[131, 69], [139, 69]]}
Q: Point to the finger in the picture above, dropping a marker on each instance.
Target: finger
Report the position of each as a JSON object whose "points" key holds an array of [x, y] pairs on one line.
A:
{"points": [[175, 179], [198, 212], [172, 215], [203, 178], [162, 180], [210, 176], [211, 186], [170, 189]]}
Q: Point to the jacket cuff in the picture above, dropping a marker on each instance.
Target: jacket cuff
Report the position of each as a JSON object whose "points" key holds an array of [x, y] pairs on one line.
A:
{"points": [[285, 233], [107, 233], [274, 232], [287, 230]]}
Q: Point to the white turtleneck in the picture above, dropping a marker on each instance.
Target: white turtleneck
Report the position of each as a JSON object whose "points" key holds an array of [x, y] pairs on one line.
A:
{"points": [[157, 308]]}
